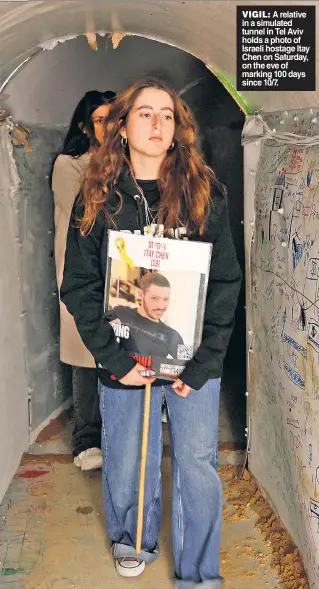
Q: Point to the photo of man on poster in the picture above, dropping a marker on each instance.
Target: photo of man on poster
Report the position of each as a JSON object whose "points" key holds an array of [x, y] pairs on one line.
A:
{"points": [[141, 329]]}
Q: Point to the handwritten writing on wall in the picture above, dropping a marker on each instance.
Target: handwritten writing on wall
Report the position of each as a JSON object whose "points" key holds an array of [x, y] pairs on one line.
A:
{"points": [[284, 359]]}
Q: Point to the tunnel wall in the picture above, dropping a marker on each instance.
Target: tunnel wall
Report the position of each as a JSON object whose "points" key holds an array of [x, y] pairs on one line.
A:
{"points": [[205, 29], [48, 382], [282, 199], [14, 421]]}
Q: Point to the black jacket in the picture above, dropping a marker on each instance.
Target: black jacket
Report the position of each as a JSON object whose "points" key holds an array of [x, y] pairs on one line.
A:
{"points": [[82, 289]]}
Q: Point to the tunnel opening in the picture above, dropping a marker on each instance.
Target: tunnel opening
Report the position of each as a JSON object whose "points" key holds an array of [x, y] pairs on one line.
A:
{"points": [[41, 97]]}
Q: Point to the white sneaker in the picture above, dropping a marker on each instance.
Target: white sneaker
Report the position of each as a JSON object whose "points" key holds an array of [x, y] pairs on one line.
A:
{"points": [[129, 566], [90, 459]]}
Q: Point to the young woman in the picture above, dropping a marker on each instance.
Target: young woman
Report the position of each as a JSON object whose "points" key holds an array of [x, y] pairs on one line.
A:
{"points": [[85, 134], [150, 163]]}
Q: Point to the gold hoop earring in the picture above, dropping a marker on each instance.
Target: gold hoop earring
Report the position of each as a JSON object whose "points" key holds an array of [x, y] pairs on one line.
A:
{"points": [[123, 141], [171, 147]]}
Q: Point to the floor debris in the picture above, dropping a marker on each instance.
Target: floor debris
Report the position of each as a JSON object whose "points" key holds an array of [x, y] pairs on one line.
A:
{"points": [[244, 495], [52, 534]]}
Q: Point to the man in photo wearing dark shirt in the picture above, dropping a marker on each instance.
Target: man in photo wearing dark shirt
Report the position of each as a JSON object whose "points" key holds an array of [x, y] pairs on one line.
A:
{"points": [[147, 334]]}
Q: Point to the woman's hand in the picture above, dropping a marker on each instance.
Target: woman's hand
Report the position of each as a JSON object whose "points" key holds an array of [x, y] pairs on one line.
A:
{"points": [[180, 388], [134, 378]]}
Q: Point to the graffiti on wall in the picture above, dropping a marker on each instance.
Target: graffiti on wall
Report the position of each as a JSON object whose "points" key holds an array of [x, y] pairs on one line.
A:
{"points": [[284, 363]]}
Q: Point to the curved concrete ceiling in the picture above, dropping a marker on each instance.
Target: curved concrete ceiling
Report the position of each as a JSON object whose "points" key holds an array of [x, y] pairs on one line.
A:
{"points": [[207, 29]]}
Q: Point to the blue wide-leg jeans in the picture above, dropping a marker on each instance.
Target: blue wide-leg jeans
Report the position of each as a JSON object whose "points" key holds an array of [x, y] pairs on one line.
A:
{"points": [[197, 492]]}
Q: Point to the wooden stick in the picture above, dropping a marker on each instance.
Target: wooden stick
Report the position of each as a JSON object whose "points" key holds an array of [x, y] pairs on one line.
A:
{"points": [[141, 491]]}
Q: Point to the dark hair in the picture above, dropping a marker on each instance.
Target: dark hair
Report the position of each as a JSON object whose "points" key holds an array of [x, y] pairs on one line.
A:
{"points": [[153, 278], [76, 142]]}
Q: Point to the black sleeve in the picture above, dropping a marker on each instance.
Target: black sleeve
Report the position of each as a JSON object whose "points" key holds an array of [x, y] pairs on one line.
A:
{"points": [[222, 295], [82, 292]]}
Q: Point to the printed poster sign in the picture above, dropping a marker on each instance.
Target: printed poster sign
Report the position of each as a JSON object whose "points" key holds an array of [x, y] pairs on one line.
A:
{"points": [[155, 296]]}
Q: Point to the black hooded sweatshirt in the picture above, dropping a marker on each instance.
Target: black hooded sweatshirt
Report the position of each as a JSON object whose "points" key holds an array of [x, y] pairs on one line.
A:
{"points": [[82, 289]]}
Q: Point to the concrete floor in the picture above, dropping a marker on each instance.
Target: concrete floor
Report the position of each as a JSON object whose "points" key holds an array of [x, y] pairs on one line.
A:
{"points": [[52, 535], [52, 531]]}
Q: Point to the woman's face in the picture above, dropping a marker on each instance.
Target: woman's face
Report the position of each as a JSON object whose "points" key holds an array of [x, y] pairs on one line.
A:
{"points": [[150, 124], [99, 119]]}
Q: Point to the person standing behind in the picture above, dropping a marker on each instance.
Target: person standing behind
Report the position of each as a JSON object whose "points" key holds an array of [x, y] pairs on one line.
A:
{"points": [[85, 135]]}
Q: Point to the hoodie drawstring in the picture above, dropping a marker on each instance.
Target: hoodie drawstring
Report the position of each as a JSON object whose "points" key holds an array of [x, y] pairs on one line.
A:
{"points": [[137, 199]]}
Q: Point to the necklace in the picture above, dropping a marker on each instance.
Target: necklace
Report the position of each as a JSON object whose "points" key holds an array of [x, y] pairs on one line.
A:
{"points": [[150, 214]]}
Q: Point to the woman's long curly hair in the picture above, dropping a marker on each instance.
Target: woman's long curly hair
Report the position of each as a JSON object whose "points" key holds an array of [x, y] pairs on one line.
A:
{"points": [[184, 180]]}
